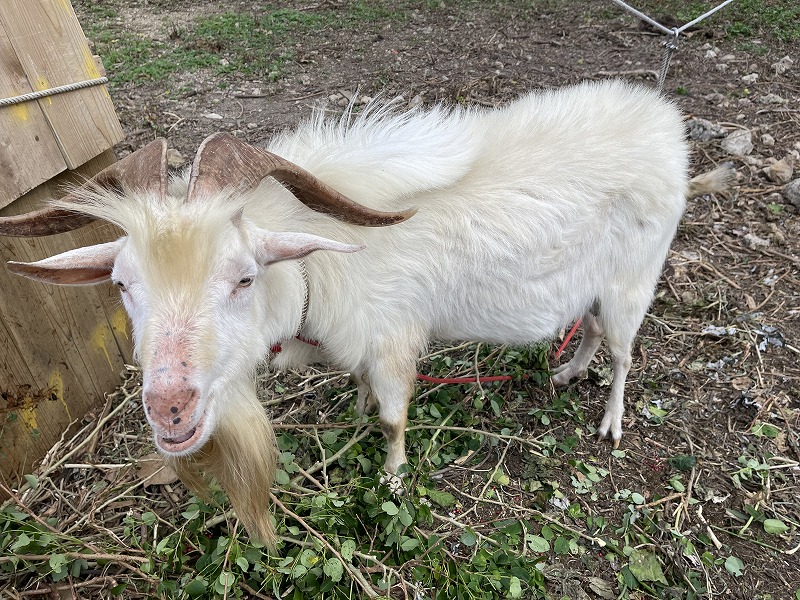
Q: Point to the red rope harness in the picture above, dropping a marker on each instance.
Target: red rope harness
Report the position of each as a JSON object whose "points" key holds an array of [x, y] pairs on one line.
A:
{"points": [[276, 348]]}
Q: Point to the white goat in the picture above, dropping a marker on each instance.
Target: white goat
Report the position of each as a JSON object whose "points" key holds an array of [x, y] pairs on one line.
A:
{"points": [[560, 205]]}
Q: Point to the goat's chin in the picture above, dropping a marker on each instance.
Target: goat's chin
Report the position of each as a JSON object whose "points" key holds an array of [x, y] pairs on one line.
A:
{"points": [[187, 443]]}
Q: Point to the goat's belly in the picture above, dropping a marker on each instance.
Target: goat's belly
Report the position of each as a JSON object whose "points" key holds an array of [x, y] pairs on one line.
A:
{"points": [[496, 325]]}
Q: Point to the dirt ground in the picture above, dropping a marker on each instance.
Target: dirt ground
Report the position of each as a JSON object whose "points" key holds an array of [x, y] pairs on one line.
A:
{"points": [[717, 356]]}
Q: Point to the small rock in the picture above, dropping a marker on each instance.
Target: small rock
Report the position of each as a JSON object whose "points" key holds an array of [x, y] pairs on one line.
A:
{"points": [[772, 99], [224, 62], [738, 143], [781, 171], [213, 116], [174, 158], [753, 241], [711, 54], [744, 102], [715, 98], [782, 65], [750, 79], [768, 140], [721, 67], [703, 131], [792, 192], [305, 79], [755, 161], [252, 125], [727, 58]]}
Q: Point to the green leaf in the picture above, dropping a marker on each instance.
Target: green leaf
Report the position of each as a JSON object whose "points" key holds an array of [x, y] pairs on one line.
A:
{"points": [[538, 544], [309, 558], [443, 499], [196, 586], [677, 485], [409, 543], [333, 568], [347, 550], [298, 571], [645, 566], [637, 498], [32, 481], [618, 453], [405, 517], [515, 588], [683, 462], [281, 477], [390, 508], [469, 537], [242, 563], [224, 582], [734, 566], [329, 437], [561, 545], [761, 429], [57, 561], [775, 526]]}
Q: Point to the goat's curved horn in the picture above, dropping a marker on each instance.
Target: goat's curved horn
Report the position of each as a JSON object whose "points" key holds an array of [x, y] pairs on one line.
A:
{"points": [[145, 169], [223, 159]]}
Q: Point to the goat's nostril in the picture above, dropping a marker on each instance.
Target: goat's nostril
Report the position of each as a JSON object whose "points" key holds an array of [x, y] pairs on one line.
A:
{"points": [[176, 420], [174, 410]]}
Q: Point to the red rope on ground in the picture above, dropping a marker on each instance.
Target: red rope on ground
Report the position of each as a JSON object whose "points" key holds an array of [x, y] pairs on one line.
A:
{"points": [[463, 379], [568, 337]]}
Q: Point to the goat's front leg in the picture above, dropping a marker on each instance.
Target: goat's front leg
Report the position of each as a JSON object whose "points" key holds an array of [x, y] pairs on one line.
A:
{"points": [[391, 383]]}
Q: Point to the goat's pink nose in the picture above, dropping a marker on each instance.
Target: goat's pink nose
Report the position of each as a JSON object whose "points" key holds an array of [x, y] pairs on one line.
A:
{"points": [[171, 408]]}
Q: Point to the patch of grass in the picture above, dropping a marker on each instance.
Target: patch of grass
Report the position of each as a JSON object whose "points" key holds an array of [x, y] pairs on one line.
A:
{"points": [[251, 43], [771, 19]]}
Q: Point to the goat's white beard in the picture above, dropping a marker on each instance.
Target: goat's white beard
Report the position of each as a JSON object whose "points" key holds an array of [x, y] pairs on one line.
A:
{"points": [[241, 455]]}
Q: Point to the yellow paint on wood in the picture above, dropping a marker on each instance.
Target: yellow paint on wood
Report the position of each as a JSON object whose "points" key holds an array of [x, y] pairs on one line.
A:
{"points": [[40, 84], [100, 336], [119, 322], [20, 112], [89, 64], [56, 384], [27, 414]]}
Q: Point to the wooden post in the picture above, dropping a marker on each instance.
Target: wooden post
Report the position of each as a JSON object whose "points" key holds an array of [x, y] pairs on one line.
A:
{"points": [[61, 348]]}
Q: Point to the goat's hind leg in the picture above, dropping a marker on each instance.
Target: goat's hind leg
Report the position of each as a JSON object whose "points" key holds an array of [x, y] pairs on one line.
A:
{"points": [[579, 365], [365, 404], [621, 328]]}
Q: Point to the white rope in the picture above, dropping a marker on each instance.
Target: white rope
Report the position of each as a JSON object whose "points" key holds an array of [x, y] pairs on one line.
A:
{"points": [[671, 43], [52, 91]]}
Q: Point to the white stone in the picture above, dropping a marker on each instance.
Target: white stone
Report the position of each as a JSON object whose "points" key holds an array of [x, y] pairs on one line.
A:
{"points": [[780, 171], [750, 79], [738, 143], [768, 140]]}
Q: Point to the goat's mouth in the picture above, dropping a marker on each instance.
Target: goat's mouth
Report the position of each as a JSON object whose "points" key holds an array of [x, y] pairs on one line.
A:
{"points": [[183, 443]]}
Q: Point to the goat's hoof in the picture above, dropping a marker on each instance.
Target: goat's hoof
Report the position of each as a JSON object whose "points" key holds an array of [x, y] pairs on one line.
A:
{"points": [[563, 374], [394, 482]]}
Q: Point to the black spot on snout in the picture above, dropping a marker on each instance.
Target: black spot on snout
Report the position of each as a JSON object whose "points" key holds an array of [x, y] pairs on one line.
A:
{"points": [[183, 363], [176, 420], [173, 410]]}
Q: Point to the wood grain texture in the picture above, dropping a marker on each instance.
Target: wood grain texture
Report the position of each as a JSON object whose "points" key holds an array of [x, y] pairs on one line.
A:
{"points": [[52, 50], [29, 154], [61, 348]]}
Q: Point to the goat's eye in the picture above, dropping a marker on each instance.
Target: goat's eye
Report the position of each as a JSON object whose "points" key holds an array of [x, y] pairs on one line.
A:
{"points": [[245, 282], [121, 286]]}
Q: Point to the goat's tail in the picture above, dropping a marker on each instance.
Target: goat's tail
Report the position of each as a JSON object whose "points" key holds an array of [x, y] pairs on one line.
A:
{"points": [[713, 182], [242, 457]]}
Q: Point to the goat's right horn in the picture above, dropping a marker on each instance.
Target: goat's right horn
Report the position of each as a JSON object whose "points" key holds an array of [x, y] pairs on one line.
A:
{"points": [[223, 160], [145, 169]]}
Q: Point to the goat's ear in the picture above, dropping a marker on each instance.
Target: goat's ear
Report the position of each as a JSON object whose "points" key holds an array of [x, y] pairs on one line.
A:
{"points": [[82, 266], [274, 247]]}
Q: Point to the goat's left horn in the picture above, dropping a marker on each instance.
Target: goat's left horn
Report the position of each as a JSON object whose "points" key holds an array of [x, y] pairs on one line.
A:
{"points": [[223, 159], [145, 169]]}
